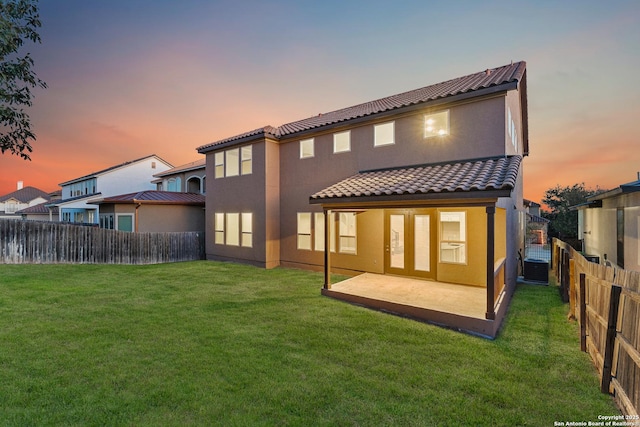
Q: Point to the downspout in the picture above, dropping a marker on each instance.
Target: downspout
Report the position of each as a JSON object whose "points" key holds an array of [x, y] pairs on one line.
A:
{"points": [[135, 216]]}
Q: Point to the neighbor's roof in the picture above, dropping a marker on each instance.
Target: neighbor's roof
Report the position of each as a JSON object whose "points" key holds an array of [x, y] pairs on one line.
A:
{"points": [[42, 208], [25, 195], [630, 187], [154, 197], [198, 164], [112, 168], [509, 75], [495, 174]]}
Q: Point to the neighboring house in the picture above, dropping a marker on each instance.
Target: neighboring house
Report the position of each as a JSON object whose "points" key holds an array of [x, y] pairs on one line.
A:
{"points": [[537, 226], [188, 178], [24, 197], [135, 175], [426, 183], [152, 211], [43, 211], [609, 224]]}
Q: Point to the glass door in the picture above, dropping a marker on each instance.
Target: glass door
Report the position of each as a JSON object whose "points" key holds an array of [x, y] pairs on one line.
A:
{"points": [[409, 243]]}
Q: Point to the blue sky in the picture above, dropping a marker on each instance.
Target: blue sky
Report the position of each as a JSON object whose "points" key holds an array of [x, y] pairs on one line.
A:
{"points": [[131, 78]]}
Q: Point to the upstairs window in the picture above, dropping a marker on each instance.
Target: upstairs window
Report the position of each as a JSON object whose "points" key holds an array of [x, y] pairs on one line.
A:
{"points": [[436, 124], [342, 142], [219, 164], [306, 148], [246, 153], [384, 134], [232, 165], [234, 162]]}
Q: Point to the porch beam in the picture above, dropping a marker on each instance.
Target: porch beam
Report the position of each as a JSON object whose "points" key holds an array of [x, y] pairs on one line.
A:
{"points": [[491, 310], [327, 249]]}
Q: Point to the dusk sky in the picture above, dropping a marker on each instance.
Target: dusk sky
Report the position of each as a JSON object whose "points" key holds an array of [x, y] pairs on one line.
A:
{"points": [[129, 78]]}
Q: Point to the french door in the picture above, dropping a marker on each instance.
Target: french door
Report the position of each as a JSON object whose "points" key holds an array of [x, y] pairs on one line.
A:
{"points": [[410, 242]]}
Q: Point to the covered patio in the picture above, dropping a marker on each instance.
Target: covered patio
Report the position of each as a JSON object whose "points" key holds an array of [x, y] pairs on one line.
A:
{"points": [[469, 294], [454, 306]]}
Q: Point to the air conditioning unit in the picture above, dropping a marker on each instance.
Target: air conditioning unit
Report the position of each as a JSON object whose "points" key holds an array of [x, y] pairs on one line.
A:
{"points": [[536, 270]]}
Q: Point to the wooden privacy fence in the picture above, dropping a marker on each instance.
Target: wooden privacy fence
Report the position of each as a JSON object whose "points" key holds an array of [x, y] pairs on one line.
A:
{"points": [[606, 303], [50, 242]]}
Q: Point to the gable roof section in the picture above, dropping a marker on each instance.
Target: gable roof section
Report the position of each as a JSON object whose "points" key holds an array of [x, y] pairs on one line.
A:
{"points": [[630, 187], [496, 175], [25, 195], [42, 208], [154, 197], [501, 78], [198, 164], [112, 168]]}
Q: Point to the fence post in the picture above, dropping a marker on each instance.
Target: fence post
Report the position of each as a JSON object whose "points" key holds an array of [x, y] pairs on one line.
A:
{"points": [[614, 303], [583, 312], [564, 288], [572, 289]]}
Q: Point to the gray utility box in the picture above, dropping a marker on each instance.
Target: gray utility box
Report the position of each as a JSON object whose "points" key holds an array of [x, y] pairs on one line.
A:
{"points": [[536, 270]]}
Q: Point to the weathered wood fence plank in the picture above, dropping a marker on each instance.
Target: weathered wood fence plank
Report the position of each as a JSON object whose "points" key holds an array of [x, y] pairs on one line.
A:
{"points": [[47, 242], [607, 306]]}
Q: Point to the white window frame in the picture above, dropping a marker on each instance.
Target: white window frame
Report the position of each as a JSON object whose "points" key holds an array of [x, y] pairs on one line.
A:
{"points": [[246, 229], [219, 164], [436, 117], [347, 228], [246, 160], [380, 134], [342, 142], [458, 245], [307, 148], [232, 162], [218, 227], [318, 235], [303, 231], [232, 238]]}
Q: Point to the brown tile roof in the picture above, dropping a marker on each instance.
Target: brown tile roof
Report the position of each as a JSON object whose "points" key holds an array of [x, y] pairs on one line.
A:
{"points": [[456, 177], [25, 195], [198, 164], [38, 209], [507, 74], [154, 197]]}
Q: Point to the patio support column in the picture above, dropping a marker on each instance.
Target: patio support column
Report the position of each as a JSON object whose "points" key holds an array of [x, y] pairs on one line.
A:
{"points": [[491, 313], [327, 248]]}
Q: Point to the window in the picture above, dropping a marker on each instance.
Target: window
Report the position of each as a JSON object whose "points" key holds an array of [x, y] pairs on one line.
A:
{"points": [[436, 124], [247, 230], [384, 134], [219, 228], [232, 158], [219, 164], [342, 142], [124, 222], [304, 230], [306, 148], [234, 162], [347, 230], [319, 232], [174, 184], [233, 229], [453, 237], [246, 153], [153, 165]]}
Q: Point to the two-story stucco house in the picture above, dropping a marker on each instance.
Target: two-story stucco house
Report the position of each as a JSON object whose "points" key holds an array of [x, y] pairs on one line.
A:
{"points": [[425, 184], [134, 175], [187, 178], [22, 198]]}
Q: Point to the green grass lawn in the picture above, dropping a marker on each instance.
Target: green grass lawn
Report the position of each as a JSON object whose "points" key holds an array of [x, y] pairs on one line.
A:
{"points": [[204, 343]]}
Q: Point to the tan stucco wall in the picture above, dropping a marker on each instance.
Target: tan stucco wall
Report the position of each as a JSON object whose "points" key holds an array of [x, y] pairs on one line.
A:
{"points": [[168, 218]]}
